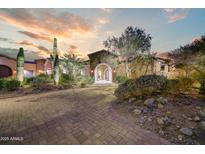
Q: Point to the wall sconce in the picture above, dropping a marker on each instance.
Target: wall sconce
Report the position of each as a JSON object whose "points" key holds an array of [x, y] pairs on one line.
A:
{"points": [[91, 71]]}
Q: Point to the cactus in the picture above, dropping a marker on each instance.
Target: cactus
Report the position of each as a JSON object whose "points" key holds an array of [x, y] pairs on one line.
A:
{"points": [[20, 65], [54, 53], [56, 70]]}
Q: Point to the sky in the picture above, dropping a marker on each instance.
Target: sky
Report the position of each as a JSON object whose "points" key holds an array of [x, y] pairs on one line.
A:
{"points": [[82, 31]]}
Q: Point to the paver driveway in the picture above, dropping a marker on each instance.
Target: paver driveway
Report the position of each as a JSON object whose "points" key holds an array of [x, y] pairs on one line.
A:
{"points": [[80, 116]]}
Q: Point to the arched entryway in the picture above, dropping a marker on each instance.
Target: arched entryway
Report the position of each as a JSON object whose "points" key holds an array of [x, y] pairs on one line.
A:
{"points": [[103, 73], [5, 71]]}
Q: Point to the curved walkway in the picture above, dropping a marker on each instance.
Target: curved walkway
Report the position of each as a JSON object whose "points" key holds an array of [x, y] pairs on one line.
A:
{"points": [[80, 116]]}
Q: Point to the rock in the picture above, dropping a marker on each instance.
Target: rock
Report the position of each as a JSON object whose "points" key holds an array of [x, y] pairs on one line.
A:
{"points": [[184, 116], [149, 119], [178, 126], [160, 121], [202, 125], [180, 137], [196, 118], [137, 111], [160, 106], [162, 100], [145, 110], [161, 132], [150, 102], [132, 99], [167, 121], [186, 131], [190, 119], [202, 112]]}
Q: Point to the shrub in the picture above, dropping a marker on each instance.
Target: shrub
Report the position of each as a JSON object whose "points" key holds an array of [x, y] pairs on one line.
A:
{"points": [[40, 81], [185, 83], [66, 80], [83, 85], [121, 79], [2, 82], [173, 86], [145, 85], [11, 84], [88, 80], [202, 87]]}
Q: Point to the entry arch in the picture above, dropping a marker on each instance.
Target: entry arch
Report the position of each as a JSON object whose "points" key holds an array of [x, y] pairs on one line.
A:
{"points": [[103, 76]]}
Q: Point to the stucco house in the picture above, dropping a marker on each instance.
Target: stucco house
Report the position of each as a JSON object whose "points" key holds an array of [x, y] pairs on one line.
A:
{"points": [[31, 68], [102, 65]]}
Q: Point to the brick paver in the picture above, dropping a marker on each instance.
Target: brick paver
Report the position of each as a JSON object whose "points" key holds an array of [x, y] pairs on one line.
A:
{"points": [[79, 116]]}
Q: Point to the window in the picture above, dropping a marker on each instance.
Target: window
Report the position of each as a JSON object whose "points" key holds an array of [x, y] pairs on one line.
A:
{"points": [[162, 68]]}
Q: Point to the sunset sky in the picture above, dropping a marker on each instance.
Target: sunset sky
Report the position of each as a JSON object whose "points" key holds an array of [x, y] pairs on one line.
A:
{"points": [[84, 30]]}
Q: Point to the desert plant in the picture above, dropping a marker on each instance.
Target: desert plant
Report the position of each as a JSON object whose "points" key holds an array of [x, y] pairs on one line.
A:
{"points": [[11, 84], [121, 79], [56, 74], [202, 87], [145, 85], [40, 81], [2, 82], [20, 65]]}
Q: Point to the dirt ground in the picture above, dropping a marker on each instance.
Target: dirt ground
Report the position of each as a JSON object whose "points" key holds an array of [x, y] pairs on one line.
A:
{"points": [[181, 111]]}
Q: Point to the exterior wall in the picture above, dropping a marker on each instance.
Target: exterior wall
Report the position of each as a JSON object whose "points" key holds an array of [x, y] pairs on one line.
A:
{"points": [[40, 66], [37, 67], [103, 56], [11, 63], [30, 67]]}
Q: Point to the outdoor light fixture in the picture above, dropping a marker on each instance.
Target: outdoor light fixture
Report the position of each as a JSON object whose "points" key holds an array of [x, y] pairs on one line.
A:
{"points": [[91, 71]]}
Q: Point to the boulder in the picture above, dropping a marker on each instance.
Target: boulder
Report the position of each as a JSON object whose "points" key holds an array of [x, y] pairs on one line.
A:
{"points": [[137, 111], [186, 131], [162, 100], [132, 99], [202, 125], [160, 106], [160, 121], [202, 112], [196, 118], [150, 102]]}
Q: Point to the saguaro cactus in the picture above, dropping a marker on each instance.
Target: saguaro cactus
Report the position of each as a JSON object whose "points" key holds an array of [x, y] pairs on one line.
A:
{"points": [[20, 65], [54, 53], [56, 70]]}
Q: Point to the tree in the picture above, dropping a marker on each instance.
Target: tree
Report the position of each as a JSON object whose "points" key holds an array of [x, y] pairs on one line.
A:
{"points": [[131, 43], [20, 65], [71, 64]]}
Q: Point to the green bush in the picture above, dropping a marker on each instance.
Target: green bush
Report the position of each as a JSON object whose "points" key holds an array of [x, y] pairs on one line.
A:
{"points": [[185, 83], [145, 85], [2, 82], [202, 87], [173, 86], [67, 80], [83, 85], [121, 79], [11, 84], [88, 80], [40, 81]]}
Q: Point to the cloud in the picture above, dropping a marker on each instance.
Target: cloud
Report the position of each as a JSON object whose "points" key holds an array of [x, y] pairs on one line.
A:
{"points": [[106, 10], [174, 15], [37, 36], [47, 21], [102, 21], [43, 51], [12, 52], [4, 39]]}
